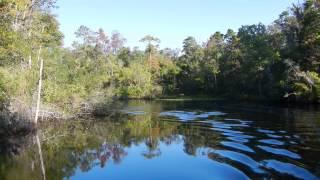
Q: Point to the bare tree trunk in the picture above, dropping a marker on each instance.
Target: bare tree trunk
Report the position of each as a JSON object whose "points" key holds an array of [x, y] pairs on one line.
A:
{"points": [[41, 158], [39, 92], [25, 13], [40, 82], [30, 61]]}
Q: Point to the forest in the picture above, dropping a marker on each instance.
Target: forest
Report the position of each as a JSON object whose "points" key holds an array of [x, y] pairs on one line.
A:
{"points": [[275, 62], [243, 104]]}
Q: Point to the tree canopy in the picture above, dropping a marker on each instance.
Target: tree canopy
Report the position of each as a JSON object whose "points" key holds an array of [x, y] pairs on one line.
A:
{"points": [[280, 61]]}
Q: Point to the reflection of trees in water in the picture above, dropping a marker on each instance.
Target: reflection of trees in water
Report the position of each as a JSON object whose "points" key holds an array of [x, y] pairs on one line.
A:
{"points": [[115, 152], [100, 156], [11, 146], [153, 149], [68, 146], [83, 145], [195, 136], [20, 158]]}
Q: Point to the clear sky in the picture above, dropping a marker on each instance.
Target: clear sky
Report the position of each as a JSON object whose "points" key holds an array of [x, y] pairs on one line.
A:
{"points": [[169, 20]]}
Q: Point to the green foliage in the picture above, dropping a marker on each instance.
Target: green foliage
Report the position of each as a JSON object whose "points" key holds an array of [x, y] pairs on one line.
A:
{"points": [[308, 92], [251, 63], [16, 83], [3, 93], [135, 81]]}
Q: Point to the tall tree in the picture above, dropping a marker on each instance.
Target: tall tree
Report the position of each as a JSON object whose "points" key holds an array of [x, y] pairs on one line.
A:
{"points": [[117, 42], [213, 52], [152, 45]]}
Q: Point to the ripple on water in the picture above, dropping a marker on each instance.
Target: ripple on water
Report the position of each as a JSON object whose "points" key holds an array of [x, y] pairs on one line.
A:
{"points": [[219, 124], [238, 135], [238, 139], [238, 125], [296, 136], [241, 158], [235, 145], [290, 169], [293, 142], [274, 136], [226, 171], [272, 142], [239, 120], [227, 130], [266, 131], [234, 131], [282, 152], [189, 116], [283, 132]]}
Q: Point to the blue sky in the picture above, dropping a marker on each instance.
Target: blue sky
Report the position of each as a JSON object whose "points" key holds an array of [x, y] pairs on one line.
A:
{"points": [[169, 20]]}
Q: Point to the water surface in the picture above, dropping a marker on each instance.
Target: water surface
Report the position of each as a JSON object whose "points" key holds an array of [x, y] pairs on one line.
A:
{"points": [[173, 140]]}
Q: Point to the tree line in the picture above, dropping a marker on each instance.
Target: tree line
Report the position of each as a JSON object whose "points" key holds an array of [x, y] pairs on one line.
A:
{"points": [[277, 62]]}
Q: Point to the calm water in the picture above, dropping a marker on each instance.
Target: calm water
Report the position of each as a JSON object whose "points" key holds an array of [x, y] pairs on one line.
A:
{"points": [[172, 140]]}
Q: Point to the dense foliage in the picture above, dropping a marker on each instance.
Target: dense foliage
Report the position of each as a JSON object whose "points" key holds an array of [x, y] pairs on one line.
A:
{"points": [[277, 62]]}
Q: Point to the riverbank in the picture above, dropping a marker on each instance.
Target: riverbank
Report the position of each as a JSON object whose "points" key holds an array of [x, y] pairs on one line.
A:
{"points": [[250, 99], [99, 106], [17, 117]]}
